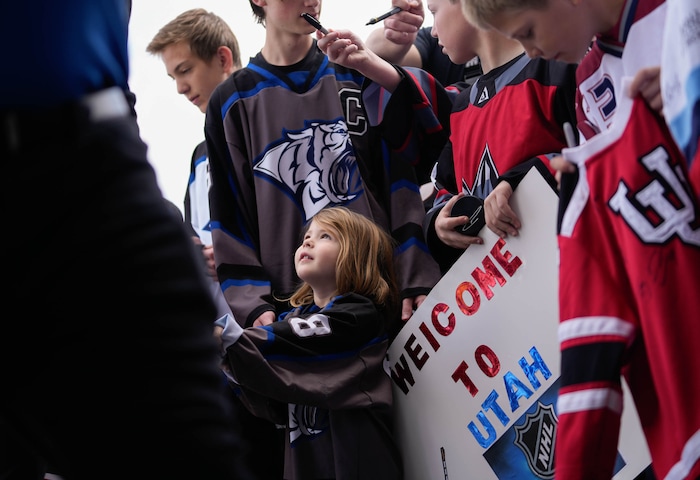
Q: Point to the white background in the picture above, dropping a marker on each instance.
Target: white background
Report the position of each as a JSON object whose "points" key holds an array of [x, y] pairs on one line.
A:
{"points": [[170, 125]]}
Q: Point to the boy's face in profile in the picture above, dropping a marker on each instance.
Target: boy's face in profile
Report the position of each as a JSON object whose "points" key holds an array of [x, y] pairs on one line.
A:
{"points": [[454, 33], [561, 31], [194, 77]]}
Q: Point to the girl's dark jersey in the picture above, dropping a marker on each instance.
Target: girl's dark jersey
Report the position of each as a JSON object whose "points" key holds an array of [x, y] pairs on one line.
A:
{"points": [[320, 371]]}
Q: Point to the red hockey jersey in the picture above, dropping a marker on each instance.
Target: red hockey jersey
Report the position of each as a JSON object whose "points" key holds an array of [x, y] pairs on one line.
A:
{"points": [[629, 280]]}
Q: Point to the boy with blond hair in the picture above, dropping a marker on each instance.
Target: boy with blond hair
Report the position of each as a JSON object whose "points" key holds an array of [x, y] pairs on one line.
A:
{"points": [[199, 51]]}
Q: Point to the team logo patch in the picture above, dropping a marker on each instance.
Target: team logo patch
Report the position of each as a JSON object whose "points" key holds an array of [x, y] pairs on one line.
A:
{"points": [[515, 453], [306, 421], [663, 206], [316, 166], [485, 178], [535, 437]]}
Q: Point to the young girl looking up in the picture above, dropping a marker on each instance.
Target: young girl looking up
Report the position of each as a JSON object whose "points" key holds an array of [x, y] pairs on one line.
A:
{"points": [[319, 368]]}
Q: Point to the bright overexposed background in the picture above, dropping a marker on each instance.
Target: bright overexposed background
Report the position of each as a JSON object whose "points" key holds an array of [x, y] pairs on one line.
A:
{"points": [[170, 125]]}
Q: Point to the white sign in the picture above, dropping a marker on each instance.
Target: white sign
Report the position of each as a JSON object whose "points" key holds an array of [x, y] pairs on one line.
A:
{"points": [[475, 370]]}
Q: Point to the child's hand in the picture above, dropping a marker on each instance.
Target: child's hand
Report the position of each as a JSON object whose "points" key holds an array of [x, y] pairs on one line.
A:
{"points": [[403, 27], [410, 305], [218, 331], [445, 227], [347, 49], [265, 318], [560, 166], [500, 218], [647, 83], [344, 48], [208, 253]]}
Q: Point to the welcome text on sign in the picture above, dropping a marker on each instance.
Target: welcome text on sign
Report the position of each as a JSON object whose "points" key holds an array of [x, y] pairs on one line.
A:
{"points": [[468, 298]]}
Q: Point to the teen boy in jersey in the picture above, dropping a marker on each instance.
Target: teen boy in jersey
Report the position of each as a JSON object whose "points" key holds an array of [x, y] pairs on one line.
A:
{"points": [[287, 136], [200, 51]]}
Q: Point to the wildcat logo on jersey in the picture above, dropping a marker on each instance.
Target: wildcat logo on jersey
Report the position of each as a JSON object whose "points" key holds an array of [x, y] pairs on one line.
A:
{"points": [[535, 437], [306, 421], [663, 207], [316, 166]]}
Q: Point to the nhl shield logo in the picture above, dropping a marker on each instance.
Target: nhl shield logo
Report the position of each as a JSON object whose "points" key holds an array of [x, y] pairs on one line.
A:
{"points": [[535, 437]]}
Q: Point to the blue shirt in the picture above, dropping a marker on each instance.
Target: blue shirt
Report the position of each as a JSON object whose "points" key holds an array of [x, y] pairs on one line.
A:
{"points": [[57, 51]]}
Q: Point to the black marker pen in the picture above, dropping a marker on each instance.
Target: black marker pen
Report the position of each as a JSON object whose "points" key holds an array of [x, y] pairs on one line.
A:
{"points": [[314, 23], [388, 14]]}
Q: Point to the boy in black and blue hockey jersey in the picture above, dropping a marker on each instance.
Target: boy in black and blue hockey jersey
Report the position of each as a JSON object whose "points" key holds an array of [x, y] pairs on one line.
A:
{"points": [[287, 136]]}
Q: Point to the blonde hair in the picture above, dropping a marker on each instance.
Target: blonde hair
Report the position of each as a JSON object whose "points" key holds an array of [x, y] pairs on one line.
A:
{"points": [[204, 31], [365, 262], [480, 12]]}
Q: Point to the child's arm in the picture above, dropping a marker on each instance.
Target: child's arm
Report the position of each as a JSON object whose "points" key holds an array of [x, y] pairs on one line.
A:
{"points": [[332, 358], [347, 49]]}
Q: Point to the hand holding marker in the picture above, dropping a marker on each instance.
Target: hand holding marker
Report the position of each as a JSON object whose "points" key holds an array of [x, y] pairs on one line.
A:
{"points": [[388, 14]]}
